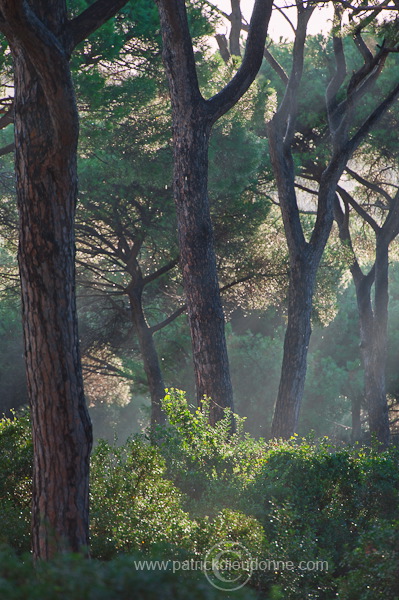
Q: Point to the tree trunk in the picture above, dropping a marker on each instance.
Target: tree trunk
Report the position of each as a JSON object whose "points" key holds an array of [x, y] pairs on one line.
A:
{"points": [[198, 262], [149, 355], [46, 193], [296, 345], [46, 134], [304, 261], [193, 117], [236, 25], [373, 342], [356, 433], [377, 404]]}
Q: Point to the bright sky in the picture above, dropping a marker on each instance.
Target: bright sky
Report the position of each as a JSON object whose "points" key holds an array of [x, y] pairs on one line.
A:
{"points": [[278, 25]]}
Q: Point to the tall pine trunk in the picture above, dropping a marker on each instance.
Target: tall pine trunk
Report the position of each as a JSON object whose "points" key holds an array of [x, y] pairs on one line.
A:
{"points": [[46, 193], [198, 261], [345, 139], [46, 134], [374, 340], [296, 346], [193, 117], [373, 317]]}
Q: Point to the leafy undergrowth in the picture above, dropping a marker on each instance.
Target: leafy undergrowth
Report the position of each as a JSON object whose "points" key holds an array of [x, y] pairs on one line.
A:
{"points": [[71, 577], [317, 521]]}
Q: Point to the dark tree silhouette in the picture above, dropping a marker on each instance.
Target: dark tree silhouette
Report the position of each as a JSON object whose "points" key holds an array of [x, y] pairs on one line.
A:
{"points": [[373, 316], [343, 97], [193, 118]]}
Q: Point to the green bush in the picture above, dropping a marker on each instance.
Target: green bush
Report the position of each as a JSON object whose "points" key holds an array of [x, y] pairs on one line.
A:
{"points": [[315, 501], [16, 454], [208, 464], [133, 505], [373, 565], [71, 577], [294, 502]]}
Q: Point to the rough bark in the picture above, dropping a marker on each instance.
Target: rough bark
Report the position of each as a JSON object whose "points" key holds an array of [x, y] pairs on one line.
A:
{"points": [[304, 262], [46, 191], [46, 134], [193, 117], [198, 265], [235, 29], [376, 397]]}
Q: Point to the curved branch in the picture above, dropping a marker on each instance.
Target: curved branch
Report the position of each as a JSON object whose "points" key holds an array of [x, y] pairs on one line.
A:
{"points": [[8, 117], [348, 198], [7, 149], [275, 65], [287, 110], [219, 104], [165, 269], [368, 184], [338, 77], [373, 118], [342, 220], [91, 19]]}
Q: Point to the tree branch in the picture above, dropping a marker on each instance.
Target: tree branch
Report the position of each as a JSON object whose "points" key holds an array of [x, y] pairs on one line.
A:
{"points": [[375, 116], [236, 26], [368, 184], [7, 118], [169, 319], [362, 47], [223, 46], [91, 19], [348, 198], [335, 117], [390, 228], [165, 269], [275, 66], [7, 149], [342, 220], [287, 110], [219, 104]]}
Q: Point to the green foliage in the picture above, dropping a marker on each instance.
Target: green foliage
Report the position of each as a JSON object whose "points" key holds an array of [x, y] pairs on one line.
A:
{"points": [[132, 505], [373, 564], [69, 577], [323, 519], [315, 502], [209, 464], [15, 481]]}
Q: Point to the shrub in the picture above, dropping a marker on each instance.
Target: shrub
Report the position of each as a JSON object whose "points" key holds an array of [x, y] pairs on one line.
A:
{"points": [[71, 577], [315, 502], [208, 464], [373, 565], [16, 454], [285, 502], [133, 505]]}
